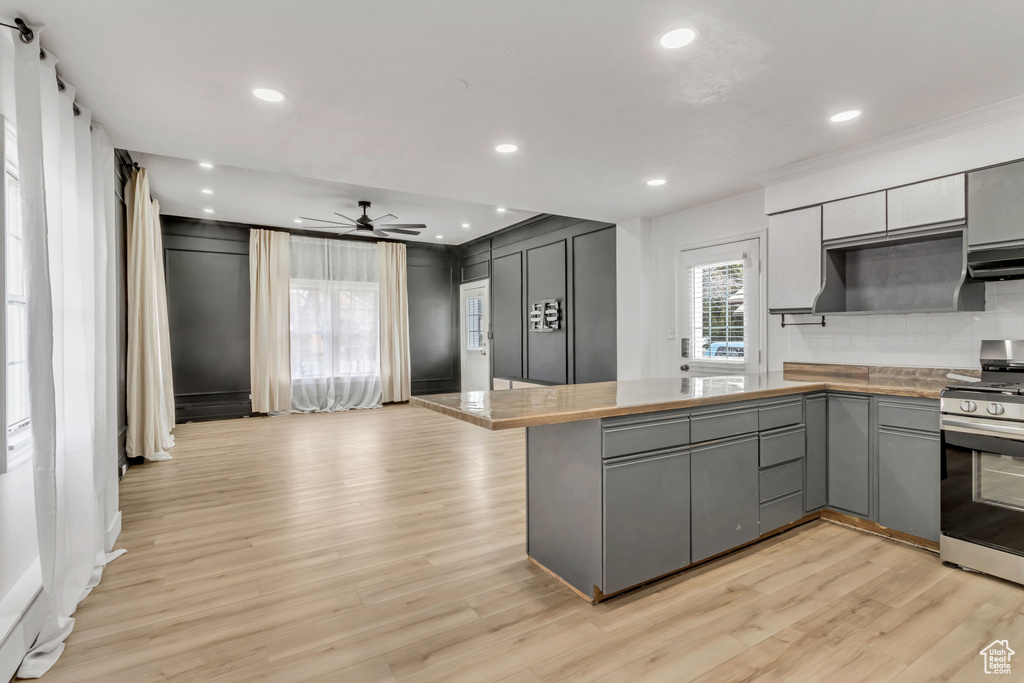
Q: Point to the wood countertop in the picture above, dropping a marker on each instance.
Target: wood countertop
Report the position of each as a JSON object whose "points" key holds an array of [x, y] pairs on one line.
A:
{"points": [[514, 408]]}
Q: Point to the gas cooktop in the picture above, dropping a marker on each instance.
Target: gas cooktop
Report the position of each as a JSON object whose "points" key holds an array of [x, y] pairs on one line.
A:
{"points": [[1008, 388]]}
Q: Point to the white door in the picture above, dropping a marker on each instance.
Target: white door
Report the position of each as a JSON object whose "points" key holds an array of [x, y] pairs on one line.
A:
{"points": [[720, 308], [474, 327]]}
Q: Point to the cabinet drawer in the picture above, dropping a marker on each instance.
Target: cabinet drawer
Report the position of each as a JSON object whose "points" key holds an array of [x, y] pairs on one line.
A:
{"points": [[782, 446], [639, 436], [782, 480], [782, 414], [920, 416], [722, 424], [781, 512]]}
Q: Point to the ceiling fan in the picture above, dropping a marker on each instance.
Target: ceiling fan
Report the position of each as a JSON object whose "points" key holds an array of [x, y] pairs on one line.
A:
{"points": [[381, 227]]}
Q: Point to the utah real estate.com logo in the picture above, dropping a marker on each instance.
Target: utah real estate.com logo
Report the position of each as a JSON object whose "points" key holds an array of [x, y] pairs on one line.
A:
{"points": [[997, 657]]}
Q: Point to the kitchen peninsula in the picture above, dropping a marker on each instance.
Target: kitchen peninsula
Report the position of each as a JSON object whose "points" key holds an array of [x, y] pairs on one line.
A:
{"points": [[630, 481]]}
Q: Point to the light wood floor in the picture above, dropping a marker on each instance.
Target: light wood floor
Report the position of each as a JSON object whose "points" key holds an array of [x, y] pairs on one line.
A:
{"points": [[389, 545]]}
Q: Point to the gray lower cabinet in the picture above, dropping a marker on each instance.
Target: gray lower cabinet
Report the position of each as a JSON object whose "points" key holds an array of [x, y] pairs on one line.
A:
{"points": [[646, 518], [724, 496], [909, 471], [849, 453], [816, 459]]}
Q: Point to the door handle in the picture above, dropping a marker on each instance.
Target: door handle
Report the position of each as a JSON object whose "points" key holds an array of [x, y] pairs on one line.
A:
{"points": [[483, 353]]}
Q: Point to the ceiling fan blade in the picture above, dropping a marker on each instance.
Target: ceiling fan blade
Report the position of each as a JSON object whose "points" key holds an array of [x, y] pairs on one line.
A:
{"points": [[378, 233], [400, 231], [322, 220], [333, 231], [386, 218], [350, 220], [405, 226]]}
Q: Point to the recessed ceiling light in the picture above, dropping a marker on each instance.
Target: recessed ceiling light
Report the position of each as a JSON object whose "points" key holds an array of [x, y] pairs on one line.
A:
{"points": [[465, 225], [501, 209], [679, 37], [268, 94], [205, 191], [845, 116], [205, 164], [656, 181], [506, 148], [208, 210], [298, 220], [440, 237]]}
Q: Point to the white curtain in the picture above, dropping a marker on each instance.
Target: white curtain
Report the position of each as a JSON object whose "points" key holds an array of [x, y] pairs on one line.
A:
{"points": [[394, 323], [335, 313], [269, 360], [150, 389], [66, 241]]}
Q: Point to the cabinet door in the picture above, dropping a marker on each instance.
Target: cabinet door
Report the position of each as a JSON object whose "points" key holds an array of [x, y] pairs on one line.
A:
{"points": [[853, 217], [794, 259], [724, 496], [849, 454], [909, 470], [933, 201], [816, 460], [646, 518], [995, 197]]}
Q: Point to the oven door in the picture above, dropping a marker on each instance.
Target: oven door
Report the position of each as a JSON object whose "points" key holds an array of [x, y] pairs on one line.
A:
{"points": [[983, 483]]}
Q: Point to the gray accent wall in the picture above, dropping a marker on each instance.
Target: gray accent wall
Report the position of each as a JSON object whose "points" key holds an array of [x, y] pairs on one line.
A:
{"points": [[549, 257], [434, 352]]}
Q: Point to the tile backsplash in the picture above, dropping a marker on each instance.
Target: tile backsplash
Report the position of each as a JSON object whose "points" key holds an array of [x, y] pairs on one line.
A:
{"points": [[948, 340]]}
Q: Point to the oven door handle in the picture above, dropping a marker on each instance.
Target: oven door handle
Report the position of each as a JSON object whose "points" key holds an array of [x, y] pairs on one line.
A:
{"points": [[983, 428]]}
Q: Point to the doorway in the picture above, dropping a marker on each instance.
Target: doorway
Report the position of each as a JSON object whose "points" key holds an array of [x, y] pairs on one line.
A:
{"points": [[720, 308], [474, 328]]}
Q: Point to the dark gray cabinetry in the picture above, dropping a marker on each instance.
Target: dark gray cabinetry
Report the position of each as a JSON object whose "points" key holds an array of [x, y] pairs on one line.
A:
{"points": [[724, 495], [646, 517], [816, 459], [849, 453], [995, 205], [908, 481]]}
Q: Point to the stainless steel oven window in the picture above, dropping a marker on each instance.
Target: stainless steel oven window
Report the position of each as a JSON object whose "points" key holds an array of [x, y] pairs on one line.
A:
{"points": [[999, 480]]}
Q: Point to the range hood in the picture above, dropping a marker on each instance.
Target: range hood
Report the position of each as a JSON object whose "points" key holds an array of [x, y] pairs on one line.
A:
{"points": [[1006, 263]]}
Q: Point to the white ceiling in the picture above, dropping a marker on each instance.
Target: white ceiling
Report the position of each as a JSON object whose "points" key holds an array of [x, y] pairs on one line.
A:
{"points": [[595, 104], [275, 199]]}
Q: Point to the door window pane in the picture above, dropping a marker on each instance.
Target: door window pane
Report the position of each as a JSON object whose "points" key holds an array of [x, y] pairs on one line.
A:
{"points": [[718, 311]]}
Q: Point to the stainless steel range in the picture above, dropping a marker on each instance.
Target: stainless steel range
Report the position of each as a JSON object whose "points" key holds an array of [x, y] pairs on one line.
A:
{"points": [[983, 466]]}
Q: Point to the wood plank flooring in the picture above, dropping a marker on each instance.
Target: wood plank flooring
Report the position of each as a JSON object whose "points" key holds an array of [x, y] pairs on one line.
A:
{"points": [[388, 545]]}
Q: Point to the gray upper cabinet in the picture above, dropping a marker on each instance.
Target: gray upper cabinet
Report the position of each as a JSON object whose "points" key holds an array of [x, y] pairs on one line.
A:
{"points": [[724, 496], [995, 198], [854, 217], [646, 518], [934, 201], [849, 453], [794, 259]]}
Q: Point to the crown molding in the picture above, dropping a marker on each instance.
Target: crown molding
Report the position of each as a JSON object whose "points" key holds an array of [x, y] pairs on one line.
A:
{"points": [[957, 123]]}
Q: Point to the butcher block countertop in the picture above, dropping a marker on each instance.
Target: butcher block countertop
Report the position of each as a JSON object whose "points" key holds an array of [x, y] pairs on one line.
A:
{"points": [[514, 408]]}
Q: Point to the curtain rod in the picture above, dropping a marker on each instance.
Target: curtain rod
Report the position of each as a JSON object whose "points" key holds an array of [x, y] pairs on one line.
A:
{"points": [[26, 33]]}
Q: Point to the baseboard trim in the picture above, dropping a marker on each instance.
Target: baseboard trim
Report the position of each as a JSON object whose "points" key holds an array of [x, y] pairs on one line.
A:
{"points": [[21, 618], [111, 534], [878, 530]]}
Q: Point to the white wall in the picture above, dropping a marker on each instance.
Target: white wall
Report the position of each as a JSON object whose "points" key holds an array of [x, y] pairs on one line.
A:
{"points": [[632, 298], [729, 219]]}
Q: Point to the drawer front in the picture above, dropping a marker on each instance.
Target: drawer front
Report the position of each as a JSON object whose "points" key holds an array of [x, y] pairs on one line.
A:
{"points": [[781, 512], [783, 445], [719, 425], [920, 416], [782, 480], [775, 415], [641, 436]]}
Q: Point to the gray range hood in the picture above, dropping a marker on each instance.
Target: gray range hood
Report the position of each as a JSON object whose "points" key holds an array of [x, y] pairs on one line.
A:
{"points": [[1006, 263]]}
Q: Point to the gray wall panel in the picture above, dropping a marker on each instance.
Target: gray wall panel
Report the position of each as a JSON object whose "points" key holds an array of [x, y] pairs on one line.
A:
{"points": [[507, 315], [547, 352], [431, 339], [593, 307]]}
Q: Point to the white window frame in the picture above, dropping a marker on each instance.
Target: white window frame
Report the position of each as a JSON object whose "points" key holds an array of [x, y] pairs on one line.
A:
{"points": [[331, 289], [15, 444]]}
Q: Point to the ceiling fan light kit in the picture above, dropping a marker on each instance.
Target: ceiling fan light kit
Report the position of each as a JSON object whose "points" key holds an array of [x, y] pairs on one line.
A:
{"points": [[381, 227]]}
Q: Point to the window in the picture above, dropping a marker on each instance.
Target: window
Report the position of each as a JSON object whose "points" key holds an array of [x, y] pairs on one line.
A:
{"points": [[334, 329], [717, 323], [15, 315], [474, 323]]}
